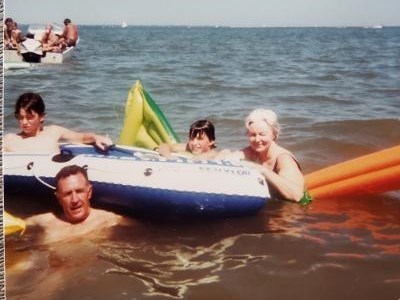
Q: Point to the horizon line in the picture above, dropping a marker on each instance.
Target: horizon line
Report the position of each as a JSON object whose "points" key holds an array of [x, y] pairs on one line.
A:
{"points": [[375, 26]]}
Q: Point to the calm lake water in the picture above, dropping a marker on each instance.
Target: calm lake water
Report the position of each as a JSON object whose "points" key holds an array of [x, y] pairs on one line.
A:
{"points": [[337, 94]]}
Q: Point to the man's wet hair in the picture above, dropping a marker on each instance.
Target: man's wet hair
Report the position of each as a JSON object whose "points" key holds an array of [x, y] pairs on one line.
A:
{"points": [[202, 127], [30, 102], [67, 21], [71, 170]]}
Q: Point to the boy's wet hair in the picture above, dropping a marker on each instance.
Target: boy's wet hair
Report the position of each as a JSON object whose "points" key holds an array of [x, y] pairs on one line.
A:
{"points": [[30, 102], [202, 127], [71, 170]]}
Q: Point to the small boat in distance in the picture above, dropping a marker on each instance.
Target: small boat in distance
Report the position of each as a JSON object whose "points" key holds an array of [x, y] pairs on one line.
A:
{"points": [[31, 49], [124, 24], [377, 26]]}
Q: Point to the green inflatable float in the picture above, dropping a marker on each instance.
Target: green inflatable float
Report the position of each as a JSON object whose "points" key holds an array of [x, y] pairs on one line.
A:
{"points": [[144, 124]]}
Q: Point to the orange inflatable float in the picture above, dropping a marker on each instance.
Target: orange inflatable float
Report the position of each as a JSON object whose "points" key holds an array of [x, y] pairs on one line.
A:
{"points": [[369, 174]]}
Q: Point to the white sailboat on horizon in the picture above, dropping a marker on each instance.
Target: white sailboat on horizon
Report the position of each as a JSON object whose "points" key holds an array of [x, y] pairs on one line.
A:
{"points": [[124, 24]]}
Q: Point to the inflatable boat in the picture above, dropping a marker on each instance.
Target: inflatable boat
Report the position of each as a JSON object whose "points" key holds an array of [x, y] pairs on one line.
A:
{"points": [[141, 182], [133, 178]]}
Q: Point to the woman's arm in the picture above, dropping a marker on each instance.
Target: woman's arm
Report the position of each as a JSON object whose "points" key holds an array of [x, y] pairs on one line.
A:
{"points": [[288, 180]]}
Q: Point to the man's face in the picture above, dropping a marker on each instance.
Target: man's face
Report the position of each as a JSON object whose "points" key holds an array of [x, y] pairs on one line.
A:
{"points": [[73, 194]]}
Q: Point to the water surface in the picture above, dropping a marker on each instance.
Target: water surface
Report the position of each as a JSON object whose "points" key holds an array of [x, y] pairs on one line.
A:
{"points": [[336, 91]]}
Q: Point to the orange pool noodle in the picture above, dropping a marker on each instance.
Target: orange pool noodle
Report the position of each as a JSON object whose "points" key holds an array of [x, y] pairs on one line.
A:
{"points": [[387, 179], [379, 160]]}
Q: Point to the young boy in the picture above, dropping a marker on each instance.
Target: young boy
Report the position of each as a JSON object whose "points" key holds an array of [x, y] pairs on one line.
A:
{"points": [[37, 138]]}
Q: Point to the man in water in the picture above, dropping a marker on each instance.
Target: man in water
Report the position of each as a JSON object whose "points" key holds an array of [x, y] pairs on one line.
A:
{"points": [[71, 237], [73, 192], [37, 138]]}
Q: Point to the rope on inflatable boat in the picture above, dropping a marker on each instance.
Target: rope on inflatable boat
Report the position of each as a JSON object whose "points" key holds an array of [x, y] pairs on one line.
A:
{"points": [[30, 168]]}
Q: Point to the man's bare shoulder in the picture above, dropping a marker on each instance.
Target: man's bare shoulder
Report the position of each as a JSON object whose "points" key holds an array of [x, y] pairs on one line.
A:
{"points": [[96, 217], [104, 218], [42, 220], [97, 213], [57, 229]]}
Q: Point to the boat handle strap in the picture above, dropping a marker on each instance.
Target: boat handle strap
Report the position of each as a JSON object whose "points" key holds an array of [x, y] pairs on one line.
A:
{"points": [[30, 168]]}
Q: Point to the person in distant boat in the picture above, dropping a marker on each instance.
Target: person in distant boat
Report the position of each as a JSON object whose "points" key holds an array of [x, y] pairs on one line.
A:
{"points": [[78, 218], [201, 142], [16, 36], [7, 30], [50, 41], [12, 35], [279, 166], [70, 34], [37, 138]]}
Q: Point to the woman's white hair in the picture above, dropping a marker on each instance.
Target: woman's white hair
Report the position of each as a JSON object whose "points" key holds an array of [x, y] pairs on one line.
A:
{"points": [[265, 115]]}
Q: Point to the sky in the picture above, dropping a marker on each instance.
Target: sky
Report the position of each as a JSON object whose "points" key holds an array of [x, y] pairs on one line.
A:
{"points": [[235, 13]]}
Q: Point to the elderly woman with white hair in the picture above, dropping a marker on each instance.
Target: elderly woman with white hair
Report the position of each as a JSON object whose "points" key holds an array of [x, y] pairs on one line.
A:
{"points": [[278, 165]]}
